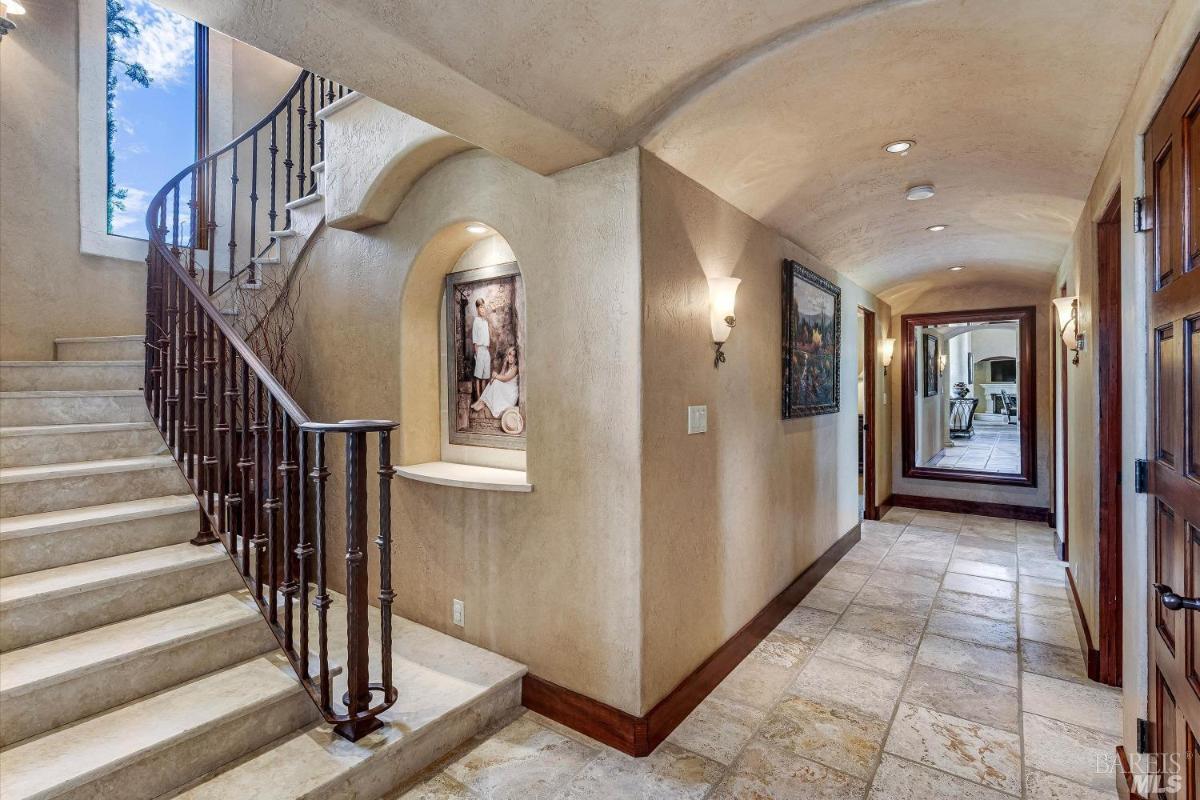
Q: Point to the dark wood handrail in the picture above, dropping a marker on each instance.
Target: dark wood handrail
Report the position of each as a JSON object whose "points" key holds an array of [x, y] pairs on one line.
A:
{"points": [[255, 460]]}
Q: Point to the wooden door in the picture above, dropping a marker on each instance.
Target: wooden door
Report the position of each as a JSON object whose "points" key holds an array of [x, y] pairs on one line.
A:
{"points": [[1172, 164]]}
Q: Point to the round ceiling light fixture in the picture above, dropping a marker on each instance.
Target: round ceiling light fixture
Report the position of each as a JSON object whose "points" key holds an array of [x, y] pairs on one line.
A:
{"points": [[921, 192], [959, 268], [475, 227], [937, 228], [899, 147]]}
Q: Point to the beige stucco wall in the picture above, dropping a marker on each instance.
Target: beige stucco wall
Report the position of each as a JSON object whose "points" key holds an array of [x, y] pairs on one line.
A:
{"points": [[961, 292], [48, 289], [1121, 169], [729, 517], [547, 577]]}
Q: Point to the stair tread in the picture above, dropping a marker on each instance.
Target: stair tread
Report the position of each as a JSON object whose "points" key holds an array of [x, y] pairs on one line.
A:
{"points": [[48, 663], [75, 469], [74, 427], [133, 337], [73, 755], [86, 516], [89, 575]]}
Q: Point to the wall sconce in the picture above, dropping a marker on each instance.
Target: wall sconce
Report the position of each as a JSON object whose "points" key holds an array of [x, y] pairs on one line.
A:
{"points": [[9, 8], [721, 293], [943, 359], [1068, 325], [886, 348]]}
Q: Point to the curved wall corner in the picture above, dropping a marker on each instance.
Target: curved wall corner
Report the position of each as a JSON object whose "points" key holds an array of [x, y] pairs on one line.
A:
{"points": [[374, 155]]}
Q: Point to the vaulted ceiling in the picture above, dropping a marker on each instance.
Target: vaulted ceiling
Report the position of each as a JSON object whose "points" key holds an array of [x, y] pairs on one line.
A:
{"points": [[781, 107]]}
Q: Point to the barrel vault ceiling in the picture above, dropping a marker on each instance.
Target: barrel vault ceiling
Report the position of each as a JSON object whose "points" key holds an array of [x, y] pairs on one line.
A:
{"points": [[781, 107]]}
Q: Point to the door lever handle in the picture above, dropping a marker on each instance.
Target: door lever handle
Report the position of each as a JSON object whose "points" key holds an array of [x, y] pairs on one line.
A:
{"points": [[1173, 601]]}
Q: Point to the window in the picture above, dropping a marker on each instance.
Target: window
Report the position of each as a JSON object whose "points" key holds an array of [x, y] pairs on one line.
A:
{"points": [[155, 74]]}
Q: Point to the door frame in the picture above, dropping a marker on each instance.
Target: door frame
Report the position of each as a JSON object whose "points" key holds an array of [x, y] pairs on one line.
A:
{"points": [[1108, 358], [869, 345], [1062, 477]]}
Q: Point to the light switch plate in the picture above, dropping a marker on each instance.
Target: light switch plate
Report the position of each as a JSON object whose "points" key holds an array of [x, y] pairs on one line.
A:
{"points": [[459, 613], [697, 419]]}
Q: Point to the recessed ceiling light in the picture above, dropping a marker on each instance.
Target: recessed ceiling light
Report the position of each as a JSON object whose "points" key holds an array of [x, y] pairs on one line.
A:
{"points": [[937, 228], [899, 147], [957, 269], [922, 192], [475, 227]]}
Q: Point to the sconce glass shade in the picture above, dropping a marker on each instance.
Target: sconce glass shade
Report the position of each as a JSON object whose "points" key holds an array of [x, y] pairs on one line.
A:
{"points": [[721, 294], [943, 359], [886, 348], [1067, 309]]}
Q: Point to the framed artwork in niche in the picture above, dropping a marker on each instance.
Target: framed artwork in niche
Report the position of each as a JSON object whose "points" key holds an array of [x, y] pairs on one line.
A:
{"points": [[485, 362], [930, 344], [812, 343]]}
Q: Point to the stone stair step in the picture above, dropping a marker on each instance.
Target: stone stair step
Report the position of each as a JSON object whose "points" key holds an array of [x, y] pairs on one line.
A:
{"points": [[29, 376], [55, 487], [100, 348], [35, 542], [40, 606], [54, 683], [153, 744], [72, 407], [32, 445]]}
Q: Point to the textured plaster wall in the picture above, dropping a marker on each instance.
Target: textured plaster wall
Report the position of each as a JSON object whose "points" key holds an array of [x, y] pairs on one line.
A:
{"points": [[958, 292], [47, 289], [547, 577], [1121, 168], [729, 517]]}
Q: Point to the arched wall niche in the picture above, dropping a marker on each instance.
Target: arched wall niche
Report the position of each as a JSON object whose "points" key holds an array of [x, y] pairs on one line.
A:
{"points": [[424, 423]]}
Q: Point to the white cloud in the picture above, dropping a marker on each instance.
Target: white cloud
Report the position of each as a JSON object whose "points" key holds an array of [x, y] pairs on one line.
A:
{"points": [[165, 45], [132, 221]]}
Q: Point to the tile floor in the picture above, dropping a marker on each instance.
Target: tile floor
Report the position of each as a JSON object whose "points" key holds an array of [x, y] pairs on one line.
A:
{"points": [[936, 660], [995, 447]]}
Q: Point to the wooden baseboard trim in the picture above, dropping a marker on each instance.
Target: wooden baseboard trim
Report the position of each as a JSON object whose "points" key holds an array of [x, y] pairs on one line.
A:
{"points": [[1002, 510], [639, 736], [1091, 656]]}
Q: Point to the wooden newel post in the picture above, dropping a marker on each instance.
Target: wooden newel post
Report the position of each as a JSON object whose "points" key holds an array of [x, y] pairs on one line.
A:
{"points": [[358, 695]]}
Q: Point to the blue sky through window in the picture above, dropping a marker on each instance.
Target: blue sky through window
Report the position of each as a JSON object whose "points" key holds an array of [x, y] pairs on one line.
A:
{"points": [[155, 133]]}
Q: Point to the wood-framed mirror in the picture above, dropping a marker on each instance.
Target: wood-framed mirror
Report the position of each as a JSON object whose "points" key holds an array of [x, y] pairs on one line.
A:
{"points": [[968, 409]]}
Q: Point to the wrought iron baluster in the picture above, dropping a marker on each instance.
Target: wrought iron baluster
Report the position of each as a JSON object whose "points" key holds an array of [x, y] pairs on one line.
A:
{"points": [[211, 432], [260, 533], [287, 167], [386, 595], [358, 693], [312, 132], [304, 548], [253, 205], [287, 471], [320, 474], [212, 225], [300, 175], [271, 511], [274, 151], [321, 137], [245, 464], [221, 436], [233, 182]]}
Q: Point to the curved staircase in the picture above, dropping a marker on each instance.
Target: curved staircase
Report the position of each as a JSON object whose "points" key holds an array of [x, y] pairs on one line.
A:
{"points": [[166, 624]]}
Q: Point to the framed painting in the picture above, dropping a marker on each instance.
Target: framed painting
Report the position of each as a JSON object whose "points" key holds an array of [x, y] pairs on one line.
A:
{"points": [[930, 347], [812, 343], [485, 359]]}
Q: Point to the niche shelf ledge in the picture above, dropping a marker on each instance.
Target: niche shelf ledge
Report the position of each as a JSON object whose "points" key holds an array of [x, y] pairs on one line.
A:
{"points": [[467, 476]]}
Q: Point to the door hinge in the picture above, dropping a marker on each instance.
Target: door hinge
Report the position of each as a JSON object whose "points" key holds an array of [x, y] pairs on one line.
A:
{"points": [[1141, 469], [1143, 735], [1140, 223]]}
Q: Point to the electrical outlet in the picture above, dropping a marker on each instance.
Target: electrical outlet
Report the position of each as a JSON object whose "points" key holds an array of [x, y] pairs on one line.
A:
{"points": [[697, 419], [459, 612]]}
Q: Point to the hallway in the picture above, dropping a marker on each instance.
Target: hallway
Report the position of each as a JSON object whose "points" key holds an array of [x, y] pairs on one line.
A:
{"points": [[937, 659]]}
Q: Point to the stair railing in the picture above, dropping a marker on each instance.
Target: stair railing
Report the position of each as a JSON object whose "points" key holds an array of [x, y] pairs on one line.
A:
{"points": [[259, 466]]}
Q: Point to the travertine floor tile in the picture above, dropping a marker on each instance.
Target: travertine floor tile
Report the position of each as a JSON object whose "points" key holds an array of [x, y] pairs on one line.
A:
{"points": [[882, 621], [718, 729], [1060, 632], [969, 628], [755, 682], [1090, 705], [976, 752], [522, 761], [825, 599], [841, 684], [898, 779], [766, 772], [842, 578], [1049, 607], [439, 787], [882, 655], [905, 581], [807, 623], [670, 771], [1057, 662], [977, 604], [912, 566], [1031, 585], [1044, 786], [970, 659], [1068, 751], [784, 650], [973, 584], [963, 696], [982, 569], [833, 735]]}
